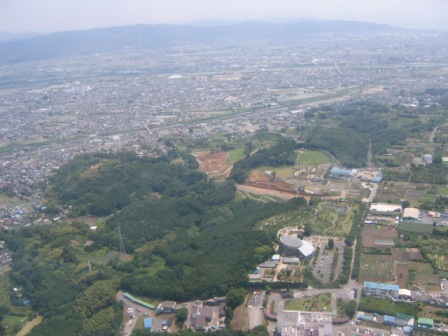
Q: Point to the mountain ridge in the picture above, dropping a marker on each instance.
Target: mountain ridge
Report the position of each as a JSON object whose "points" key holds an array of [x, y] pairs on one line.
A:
{"points": [[154, 37]]}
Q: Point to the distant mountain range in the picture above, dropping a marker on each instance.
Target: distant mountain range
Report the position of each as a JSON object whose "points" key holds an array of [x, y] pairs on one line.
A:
{"points": [[150, 37]]}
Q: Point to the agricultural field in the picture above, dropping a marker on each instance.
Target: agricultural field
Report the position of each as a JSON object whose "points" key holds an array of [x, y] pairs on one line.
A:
{"points": [[433, 245], [391, 192], [415, 227], [437, 314], [318, 303], [440, 260], [377, 268]]}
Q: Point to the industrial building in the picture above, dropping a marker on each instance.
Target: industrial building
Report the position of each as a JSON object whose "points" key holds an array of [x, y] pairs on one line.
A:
{"points": [[292, 246], [386, 207], [411, 214], [336, 172], [426, 323], [380, 289]]}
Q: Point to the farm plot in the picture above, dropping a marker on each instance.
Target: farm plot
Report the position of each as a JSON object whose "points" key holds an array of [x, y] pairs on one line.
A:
{"points": [[377, 268], [415, 227], [427, 282], [378, 236], [440, 260]]}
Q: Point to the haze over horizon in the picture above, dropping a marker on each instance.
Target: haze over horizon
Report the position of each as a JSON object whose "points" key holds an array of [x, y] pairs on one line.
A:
{"points": [[48, 16]]}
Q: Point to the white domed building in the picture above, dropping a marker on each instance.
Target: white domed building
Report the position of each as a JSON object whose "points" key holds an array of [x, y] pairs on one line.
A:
{"points": [[292, 246]]}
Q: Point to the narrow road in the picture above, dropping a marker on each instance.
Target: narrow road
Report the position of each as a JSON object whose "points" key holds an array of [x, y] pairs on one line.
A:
{"points": [[433, 134]]}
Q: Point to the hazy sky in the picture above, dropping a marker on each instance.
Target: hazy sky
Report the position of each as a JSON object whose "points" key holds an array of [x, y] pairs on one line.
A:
{"points": [[20, 16]]}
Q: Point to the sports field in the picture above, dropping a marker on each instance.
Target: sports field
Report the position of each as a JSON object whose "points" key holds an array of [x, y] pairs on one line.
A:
{"points": [[312, 159]]}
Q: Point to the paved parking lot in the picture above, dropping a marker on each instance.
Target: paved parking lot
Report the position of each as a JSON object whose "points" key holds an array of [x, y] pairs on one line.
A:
{"points": [[325, 259]]}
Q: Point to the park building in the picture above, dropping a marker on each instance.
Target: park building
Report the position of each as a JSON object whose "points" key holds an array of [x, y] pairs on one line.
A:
{"points": [[293, 246], [297, 323]]}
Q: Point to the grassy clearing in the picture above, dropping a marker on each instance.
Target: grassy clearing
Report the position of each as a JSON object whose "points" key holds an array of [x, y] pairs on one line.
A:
{"points": [[235, 155], [98, 258], [4, 290], [312, 159], [14, 323], [318, 303], [280, 172], [30, 325]]}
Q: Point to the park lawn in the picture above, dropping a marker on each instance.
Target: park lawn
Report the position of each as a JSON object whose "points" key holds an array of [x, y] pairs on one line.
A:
{"points": [[280, 172], [386, 307], [312, 159], [318, 303]]}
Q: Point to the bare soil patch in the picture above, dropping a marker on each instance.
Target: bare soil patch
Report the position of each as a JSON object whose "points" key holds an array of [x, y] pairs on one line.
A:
{"points": [[262, 181], [213, 164]]}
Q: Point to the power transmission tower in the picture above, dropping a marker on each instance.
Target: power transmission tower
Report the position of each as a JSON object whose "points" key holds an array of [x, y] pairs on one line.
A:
{"points": [[121, 243], [370, 163]]}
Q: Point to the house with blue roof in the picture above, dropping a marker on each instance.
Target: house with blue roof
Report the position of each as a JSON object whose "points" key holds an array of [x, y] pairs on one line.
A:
{"points": [[380, 289]]}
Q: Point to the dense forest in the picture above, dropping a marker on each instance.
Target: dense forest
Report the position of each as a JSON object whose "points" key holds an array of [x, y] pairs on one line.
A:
{"points": [[61, 290], [354, 126], [186, 238]]}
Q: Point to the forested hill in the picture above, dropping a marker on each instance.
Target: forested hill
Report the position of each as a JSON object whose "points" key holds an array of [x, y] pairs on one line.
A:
{"points": [[187, 238], [155, 37]]}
